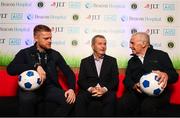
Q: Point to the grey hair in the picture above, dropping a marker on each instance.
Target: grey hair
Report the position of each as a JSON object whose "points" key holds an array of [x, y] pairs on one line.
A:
{"points": [[144, 37]]}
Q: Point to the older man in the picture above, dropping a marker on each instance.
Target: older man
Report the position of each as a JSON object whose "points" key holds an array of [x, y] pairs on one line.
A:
{"points": [[145, 60]]}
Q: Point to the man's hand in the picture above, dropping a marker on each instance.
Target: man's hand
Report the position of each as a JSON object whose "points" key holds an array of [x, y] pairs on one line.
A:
{"points": [[70, 96], [136, 87], [98, 91], [163, 78], [41, 73]]}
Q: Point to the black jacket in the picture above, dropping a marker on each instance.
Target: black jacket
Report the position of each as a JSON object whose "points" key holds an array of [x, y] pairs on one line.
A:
{"points": [[88, 76], [26, 58], [153, 60]]}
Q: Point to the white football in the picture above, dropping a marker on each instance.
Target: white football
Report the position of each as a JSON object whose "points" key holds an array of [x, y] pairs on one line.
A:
{"points": [[29, 80], [149, 84]]}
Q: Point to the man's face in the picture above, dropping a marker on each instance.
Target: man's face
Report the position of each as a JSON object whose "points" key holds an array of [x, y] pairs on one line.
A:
{"points": [[43, 40], [136, 45], [99, 47]]}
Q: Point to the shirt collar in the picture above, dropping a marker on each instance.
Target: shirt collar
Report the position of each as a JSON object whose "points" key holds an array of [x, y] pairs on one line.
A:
{"points": [[95, 58]]}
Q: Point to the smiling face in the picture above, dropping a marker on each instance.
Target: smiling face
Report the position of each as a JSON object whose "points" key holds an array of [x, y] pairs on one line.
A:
{"points": [[99, 46], [136, 45], [139, 44]]}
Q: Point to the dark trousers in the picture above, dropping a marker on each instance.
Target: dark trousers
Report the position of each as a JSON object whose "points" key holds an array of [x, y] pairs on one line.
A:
{"points": [[84, 99], [29, 100], [135, 104]]}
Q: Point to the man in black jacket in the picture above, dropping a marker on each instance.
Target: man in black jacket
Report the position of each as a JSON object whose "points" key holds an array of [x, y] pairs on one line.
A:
{"points": [[98, 79], [145, 60], [45, 61]]}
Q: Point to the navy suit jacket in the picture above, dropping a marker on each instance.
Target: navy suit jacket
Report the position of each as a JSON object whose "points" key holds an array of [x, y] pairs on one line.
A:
{"points": [[88, 76]]}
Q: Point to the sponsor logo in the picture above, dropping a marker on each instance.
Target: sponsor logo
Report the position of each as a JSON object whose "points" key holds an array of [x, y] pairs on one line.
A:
{"points": [[152, 6], [89, 5], [2, 40], [114, 31], [110, 18], [134, 6], [6, 29], [15, 29], [16, 16], [75, 5], [40, 4], [75, 17], [59, 42], [116, 5], [93, 17], [153, 31], [30, 16], [156, 45], [152, 19], [36, 16], [168, 7], [124, 18], [171, 44], [124, 44], [73, 30], [170, 19], [24, 4], [18, 4], [57, 29], [14, 41], [169, 32], [58, 4], [134, 30], [74, 43], [4, 4], [28, 42], [3, 15]]}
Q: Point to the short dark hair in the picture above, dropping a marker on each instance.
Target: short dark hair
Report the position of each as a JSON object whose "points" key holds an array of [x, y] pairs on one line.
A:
{"points": [[40, 28], [96, 36]]}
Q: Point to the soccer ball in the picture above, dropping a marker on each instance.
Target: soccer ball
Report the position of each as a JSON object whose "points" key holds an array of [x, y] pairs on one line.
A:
{"points": [[149, 84], [29, 80]]}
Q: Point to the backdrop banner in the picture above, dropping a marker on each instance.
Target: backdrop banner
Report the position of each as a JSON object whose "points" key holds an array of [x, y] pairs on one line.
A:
{"points": [[75, 22]]}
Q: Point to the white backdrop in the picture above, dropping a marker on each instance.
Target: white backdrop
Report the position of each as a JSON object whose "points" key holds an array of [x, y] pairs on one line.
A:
{"points": [[75, 22]]}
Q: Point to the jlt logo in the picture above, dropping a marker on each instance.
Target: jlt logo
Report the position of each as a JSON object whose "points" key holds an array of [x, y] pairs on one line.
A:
{"points": [[58, 4], [153, 31], [3, 16], [93, 17], [57, 29], [152, 6]]}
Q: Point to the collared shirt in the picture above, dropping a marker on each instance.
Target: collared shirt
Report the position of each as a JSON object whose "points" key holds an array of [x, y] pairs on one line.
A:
{"points": [[98, 63], [141, 58]]}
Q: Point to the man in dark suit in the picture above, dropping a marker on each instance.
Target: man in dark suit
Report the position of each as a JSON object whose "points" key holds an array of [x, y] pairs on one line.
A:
{"points": [[145, 60], [98, 79]]}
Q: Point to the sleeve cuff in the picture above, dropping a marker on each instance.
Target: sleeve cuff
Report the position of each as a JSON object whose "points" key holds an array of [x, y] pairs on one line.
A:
{"points": [[105, 89], [89, 89]]}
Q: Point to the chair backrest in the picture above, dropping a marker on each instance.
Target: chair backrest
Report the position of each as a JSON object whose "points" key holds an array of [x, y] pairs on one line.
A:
{"points": [[8, 84], [175, 92]]}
